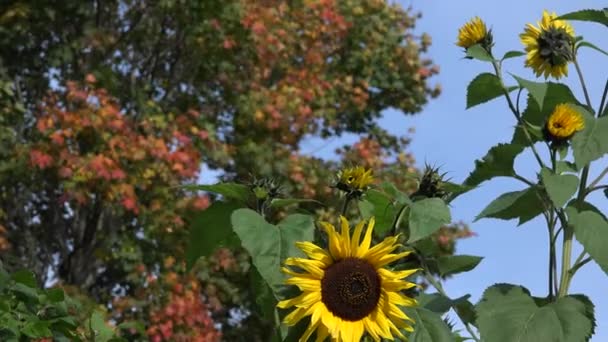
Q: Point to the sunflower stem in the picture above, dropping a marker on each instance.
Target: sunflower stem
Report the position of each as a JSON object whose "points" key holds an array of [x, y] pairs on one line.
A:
{"points": [[601, 109], [583, 85], [345, 204], [437, 285], [398, 220], [515, 111], [568, 234]]}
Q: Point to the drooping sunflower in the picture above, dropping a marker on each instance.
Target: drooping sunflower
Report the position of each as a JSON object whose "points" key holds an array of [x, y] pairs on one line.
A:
{"points": [[346, 290], [549, 47], [354, 179], [474, 32], [563, 122]]}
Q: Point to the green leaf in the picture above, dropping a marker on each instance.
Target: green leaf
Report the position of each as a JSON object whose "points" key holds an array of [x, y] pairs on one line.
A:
{"points": [[465, 309], [426, 217], [452, 264], [435, 302], [536, 89], [454, 190], [283, 202], [536, 115], [565, 166], [524, 205], [55, 295], [497, 162], [483, 88], [26, 278], [478, 52], [37, 329], [589, 45], [591, 230], [592, 142], [428, 326], [377, 204], [99, 329], [513, 54], [236, 191], [264, 298], [560, 188], [507, 313], [270, 245], [210, 229], [395, 194], [598, 16]]}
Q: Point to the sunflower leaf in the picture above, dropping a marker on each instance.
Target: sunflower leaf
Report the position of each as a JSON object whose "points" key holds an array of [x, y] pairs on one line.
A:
{"points": [[429, 326], [497, 162], [379, 205], [235, 191], [523, 205], [591, 230], [538, 90], [507, 313], [598, 16], [483, 88], [270, 245], [478, 52], [427, 216], [209, 230], [453, 264], [589, 45], [592, 142], [560, 188], [513, 54]]}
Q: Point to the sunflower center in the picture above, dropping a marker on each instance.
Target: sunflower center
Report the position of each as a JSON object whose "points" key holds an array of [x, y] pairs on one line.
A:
{"points": [[555, 46], [351, 288]]}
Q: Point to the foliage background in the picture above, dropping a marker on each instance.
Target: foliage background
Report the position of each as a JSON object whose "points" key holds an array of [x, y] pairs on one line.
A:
{"points": [[512, 255]]}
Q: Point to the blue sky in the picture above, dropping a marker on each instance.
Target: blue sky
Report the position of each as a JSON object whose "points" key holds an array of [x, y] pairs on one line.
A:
{"points": [[448, 135]]}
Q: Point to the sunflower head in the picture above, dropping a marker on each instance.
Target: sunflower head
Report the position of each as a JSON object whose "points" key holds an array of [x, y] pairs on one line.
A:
{"points": [[475, 32], [563, 122], [265, 188], [346, 289], [549, 47], [354, 180]]}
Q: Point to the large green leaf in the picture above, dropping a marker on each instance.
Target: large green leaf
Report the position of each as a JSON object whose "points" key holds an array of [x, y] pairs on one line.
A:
{"points": [[270, 245], [513, 54], [426, 217], [483, 88], [592, 142], [497, 162], [428, 326], [507, 313], [536, 115], [597, 16], [560, 188], [210, 229], [379, 205], [591, 230], [452, 264], [523, 205], [283, 202]]}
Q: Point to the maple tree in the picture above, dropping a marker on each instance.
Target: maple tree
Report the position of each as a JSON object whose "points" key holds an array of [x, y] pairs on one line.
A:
{"points": [[108, 107]]}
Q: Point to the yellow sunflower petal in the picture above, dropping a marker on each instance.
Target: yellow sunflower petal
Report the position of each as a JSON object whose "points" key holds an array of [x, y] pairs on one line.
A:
{"points": [[305, 284], [345, 238], [313, 267], [335, 247], [315, 252], [367, 239]]}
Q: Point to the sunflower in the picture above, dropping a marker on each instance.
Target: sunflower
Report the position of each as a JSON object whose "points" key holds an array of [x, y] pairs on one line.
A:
{"points": [[549, 47], [563, 122], [346, 290], [354, 179], [474, 32]]}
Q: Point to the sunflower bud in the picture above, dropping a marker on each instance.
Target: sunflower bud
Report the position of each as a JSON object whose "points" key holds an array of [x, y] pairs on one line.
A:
{"points": [[561, 125], [475, 32], [431, 184], [265, 189]]}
